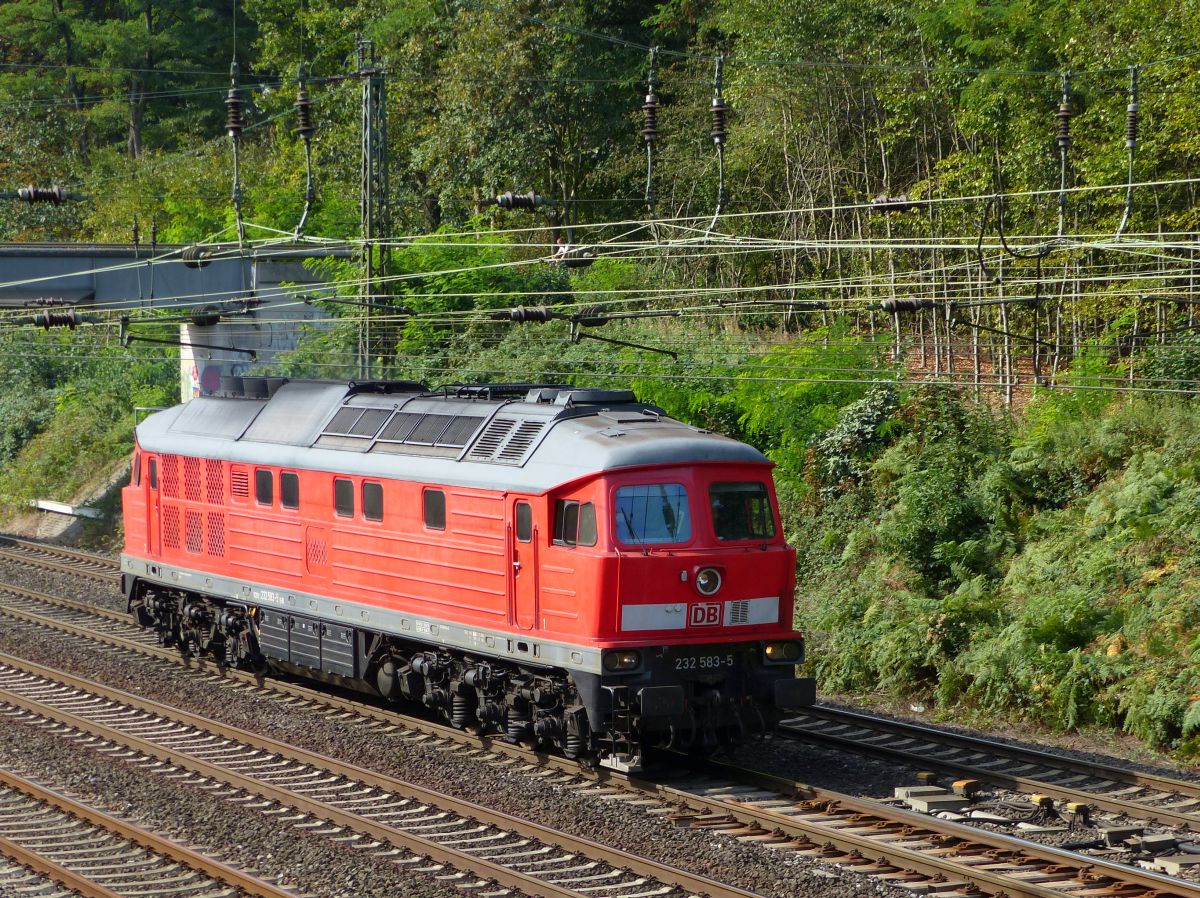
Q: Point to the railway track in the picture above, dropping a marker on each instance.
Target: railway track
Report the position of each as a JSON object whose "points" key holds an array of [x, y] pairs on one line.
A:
{"points": [[927, 855], [1143, 796], [359, 806], [59, 559], [55, 845]]}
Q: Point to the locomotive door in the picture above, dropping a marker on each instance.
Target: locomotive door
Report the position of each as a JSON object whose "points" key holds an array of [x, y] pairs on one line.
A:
{"points": [[523, 567], [152, 509]]}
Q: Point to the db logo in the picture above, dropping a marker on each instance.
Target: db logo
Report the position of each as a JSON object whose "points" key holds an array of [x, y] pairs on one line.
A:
{"points": [[704, 614]]}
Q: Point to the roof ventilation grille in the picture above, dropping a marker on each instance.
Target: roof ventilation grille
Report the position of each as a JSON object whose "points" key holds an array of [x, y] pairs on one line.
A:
{"points": [[492, 439]]}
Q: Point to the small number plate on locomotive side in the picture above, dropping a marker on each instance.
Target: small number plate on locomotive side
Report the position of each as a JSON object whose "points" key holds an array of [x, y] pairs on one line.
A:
{"points": [[705, 662]]}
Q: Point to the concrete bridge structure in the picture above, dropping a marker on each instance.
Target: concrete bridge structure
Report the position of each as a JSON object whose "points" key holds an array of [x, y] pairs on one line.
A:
{"points": [[116, 279]]}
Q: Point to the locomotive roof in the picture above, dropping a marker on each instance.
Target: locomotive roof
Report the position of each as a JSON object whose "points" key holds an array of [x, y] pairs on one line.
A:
{"points": [[528, 438]]}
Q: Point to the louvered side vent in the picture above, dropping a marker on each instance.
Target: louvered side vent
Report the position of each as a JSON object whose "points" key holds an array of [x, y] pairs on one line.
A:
{"points": [[492, 439], [216, 534], [170, 527], [518, 444], [193, 482], [214, 482], [170, 476], [239, 483], [194, 531], [739, 612]]}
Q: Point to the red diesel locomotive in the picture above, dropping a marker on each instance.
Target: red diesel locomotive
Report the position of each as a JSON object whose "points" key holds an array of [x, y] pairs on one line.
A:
{"points": [[564, 566]]}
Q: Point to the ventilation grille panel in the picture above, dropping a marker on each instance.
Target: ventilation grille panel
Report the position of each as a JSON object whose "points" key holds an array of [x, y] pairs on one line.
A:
{"points": [[492, 439], [170, 476], [370, 422], [214, 482], [170, 527], [193, 480], [460, 431], [400, 427], [518, 444], [239, 483], [195, 532], [431, 427], [216, 534]]}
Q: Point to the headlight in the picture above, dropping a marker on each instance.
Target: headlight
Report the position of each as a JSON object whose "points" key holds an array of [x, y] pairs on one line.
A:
{"points": [[783, 653], [708, 581], [628, 660]]}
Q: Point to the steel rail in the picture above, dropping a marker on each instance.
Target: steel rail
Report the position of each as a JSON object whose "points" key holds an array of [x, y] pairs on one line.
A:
{"points": [[755, 820], [1015, 781], [160, 845], [68, 879], [940, 864], [56, 558], [460, 860]]}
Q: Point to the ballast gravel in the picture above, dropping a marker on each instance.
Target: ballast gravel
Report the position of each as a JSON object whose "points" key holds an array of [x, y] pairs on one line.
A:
{"points": [[569, 807], [316, 865]]}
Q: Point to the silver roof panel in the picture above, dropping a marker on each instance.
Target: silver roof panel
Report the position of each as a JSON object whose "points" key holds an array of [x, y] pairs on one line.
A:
{"points": [[553, 442]]}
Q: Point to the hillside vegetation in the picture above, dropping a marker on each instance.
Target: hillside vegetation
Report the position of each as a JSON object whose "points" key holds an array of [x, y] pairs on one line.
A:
{"points": [[993, 489]]}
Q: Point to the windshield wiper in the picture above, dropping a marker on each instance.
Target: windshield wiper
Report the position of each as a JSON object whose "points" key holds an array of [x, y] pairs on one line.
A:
{"points": [[632, 533]]}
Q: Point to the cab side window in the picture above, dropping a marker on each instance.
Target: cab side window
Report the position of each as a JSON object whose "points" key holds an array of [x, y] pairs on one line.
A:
{"points": [[574, 523]]}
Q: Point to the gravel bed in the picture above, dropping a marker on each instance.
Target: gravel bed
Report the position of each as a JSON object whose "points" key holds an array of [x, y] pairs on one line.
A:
{"points": [[567, 807], [67, 586], [1064, 745], [753, 868], [824, 767], [319, 866]]}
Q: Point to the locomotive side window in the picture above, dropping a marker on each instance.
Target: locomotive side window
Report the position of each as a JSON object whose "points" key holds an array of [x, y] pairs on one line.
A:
{"points": [[343, 497], [524, 522], [587, 524], [137, 469], [434, 502], [289, 490], [264, 487], [154, 473], [372, 501], [574, 523], [741, 511], [653, 513]]}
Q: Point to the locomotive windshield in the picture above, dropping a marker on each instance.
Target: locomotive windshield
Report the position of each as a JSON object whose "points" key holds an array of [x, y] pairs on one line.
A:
{"points": [[741, 511], [653, 513]]}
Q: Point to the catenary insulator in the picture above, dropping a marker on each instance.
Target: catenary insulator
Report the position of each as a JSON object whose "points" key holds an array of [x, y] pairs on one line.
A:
{"points": [[524, 314], [47, 320], [304, 124], [32, 194], [905, 305], [719, 109], [1064, 125], [649, 130], [233, 104], [512, 200]]}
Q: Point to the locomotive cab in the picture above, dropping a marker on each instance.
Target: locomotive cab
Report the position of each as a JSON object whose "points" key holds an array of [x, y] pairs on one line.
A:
{"points": [[695, 583]]}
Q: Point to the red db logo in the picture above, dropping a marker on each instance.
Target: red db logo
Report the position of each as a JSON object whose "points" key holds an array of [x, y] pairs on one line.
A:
{"points": [[705, 614]]}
